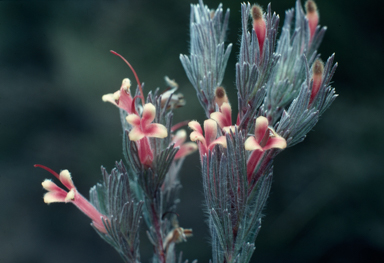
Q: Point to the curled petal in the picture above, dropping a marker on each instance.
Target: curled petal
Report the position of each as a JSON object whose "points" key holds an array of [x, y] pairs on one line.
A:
{"points": [[196, 136], [210, 130], [66, 180], [149, 113], [261, 127], [252, 144], [224, 117], [186, 149], [275, 142], [133, 119], [136, 134], [221, 141], [227, 112], [194, 125], [219, 118], [155, 130], [111, 97], [70, 196]]}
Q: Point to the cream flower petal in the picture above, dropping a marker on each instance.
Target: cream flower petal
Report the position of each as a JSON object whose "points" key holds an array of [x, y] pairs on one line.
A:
{"points": [[194, 125], [261, 127], [66, 180], [221, 141], [196, 136], [133, 119], [55, 197], [136, 134], [210, 131], [149, 113], [275, 142], [155, 130], [251, 144]]}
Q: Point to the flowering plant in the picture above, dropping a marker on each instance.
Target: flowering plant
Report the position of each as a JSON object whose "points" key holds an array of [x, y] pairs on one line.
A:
{"points": [[283, 88]]}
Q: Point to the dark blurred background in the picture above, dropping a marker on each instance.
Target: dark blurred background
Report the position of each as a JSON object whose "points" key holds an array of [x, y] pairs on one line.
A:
{"points": [[327, 201]]}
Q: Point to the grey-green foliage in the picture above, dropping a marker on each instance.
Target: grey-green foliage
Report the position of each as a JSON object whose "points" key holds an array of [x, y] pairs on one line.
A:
{"points": [[234, 206], [114, 199], [302, 116], [289, 73], [205, 67], [276, 83]]}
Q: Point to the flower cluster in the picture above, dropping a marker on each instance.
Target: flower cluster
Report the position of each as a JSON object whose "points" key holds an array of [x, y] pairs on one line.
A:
{"points": [[283, 87]]}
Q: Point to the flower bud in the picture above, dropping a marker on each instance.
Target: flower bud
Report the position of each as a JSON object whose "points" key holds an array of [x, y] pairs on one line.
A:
{"points": [[317, 70], [220, 96], [312, 16], [259, 25]]}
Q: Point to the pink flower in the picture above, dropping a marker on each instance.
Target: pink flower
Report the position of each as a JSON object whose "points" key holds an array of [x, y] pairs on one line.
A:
{"points": [[208, 141], [265, 139], [57, 194], [142, 127], [185, 148], [224, 117], [122, 98]]}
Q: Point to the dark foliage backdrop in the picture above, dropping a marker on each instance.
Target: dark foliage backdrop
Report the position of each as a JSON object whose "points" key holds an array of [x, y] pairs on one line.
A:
{"points": [[327, 201]]}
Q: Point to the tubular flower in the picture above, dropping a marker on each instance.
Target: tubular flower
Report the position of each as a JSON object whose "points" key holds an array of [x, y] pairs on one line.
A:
{"points": [[265, 139], [121, 98], [208, 141], [57, 194], [142, 127], [185, 148], [224, 118]]}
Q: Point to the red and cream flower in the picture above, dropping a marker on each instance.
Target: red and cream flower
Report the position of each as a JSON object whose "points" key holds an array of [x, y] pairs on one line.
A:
{"points": [[186, 148], [121, 98], [143, 127], [57, 194], [209, 139], [224, 117], [265, 138]]}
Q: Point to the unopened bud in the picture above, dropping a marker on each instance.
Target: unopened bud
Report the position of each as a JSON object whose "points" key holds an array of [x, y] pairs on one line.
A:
{"points": [[220, 96], [317, 70], [312, 16], [259, 25]]}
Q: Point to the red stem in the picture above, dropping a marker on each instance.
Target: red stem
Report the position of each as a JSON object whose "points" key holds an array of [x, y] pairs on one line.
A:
{"points": [[158, 233]]}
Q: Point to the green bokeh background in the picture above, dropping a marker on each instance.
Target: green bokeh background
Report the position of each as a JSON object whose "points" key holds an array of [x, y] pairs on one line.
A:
{"points": [[327, 200]]}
